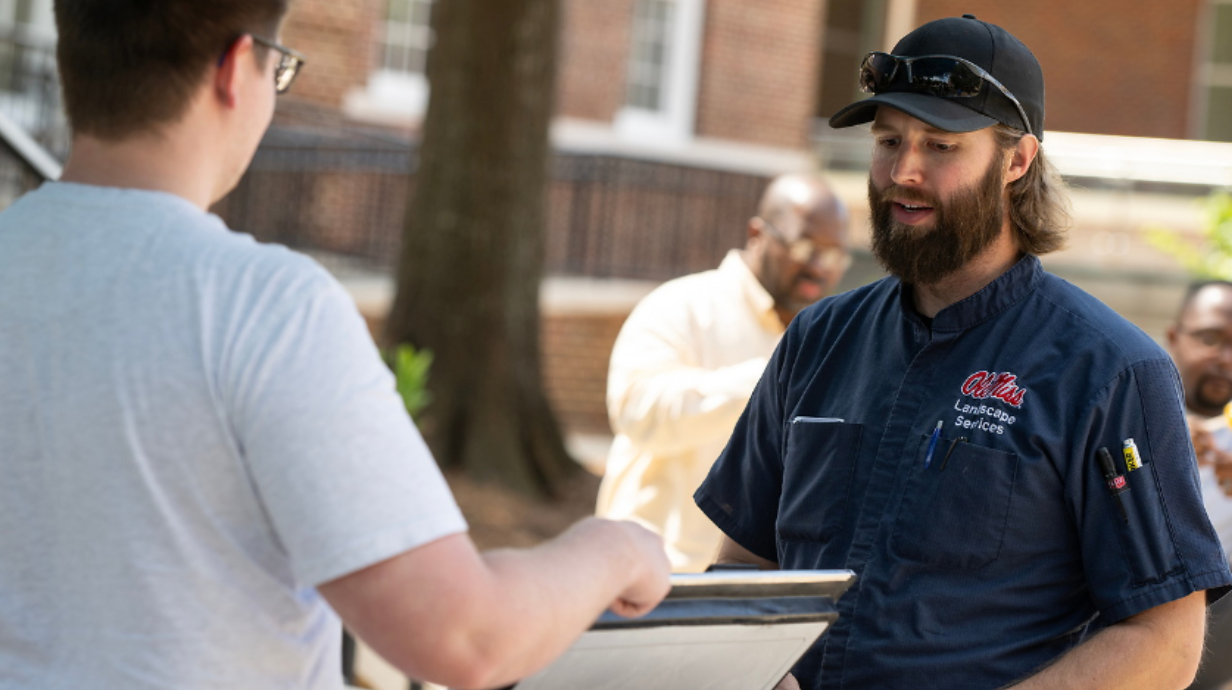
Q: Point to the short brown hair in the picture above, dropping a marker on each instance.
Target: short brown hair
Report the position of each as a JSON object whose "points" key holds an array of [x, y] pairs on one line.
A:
{"points": [[132, 65], [1038, 207]]}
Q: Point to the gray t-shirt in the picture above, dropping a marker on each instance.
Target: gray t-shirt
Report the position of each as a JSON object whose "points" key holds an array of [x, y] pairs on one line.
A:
{"points": [[195, 431]]}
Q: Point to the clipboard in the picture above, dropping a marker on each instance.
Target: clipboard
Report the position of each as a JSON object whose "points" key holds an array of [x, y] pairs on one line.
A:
{"points": [[724, 630]]}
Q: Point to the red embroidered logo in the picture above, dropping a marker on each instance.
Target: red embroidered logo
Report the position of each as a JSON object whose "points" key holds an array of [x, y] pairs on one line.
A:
{"points": [[1117, 483], [986, 384]]}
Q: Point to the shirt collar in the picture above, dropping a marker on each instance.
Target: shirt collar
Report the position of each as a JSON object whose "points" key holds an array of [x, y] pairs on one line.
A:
{"points": [[759, 301], [991, 300]]}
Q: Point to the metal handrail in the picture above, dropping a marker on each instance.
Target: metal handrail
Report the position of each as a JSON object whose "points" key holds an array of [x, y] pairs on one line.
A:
{"points": [[28, 150]]}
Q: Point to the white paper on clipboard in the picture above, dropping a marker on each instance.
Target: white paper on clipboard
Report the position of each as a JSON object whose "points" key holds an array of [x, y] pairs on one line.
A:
{"points": [[718, 631]]}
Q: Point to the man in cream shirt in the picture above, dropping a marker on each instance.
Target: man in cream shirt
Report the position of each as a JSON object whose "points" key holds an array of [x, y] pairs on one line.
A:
{"points": [[691, 352]]}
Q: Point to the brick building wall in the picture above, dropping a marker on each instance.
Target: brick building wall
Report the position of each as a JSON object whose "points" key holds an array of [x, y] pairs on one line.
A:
{"points": [[759, 71], [338, 36], [1110, 67], [594, 48], [576, 349], [758, 75]]}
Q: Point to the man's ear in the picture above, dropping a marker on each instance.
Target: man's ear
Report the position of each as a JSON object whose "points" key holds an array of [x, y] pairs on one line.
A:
{"points": [[1021, 157], [227, 74], [754, 228], [1173, 334]]}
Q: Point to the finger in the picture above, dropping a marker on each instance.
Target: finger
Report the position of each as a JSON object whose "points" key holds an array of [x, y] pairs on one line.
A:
{"points": [[629, 609], [788, 683], [1201, 447]]}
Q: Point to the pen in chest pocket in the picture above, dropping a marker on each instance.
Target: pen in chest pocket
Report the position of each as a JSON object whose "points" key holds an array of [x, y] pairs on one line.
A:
{"points": [[945, 460], [932, 445]]}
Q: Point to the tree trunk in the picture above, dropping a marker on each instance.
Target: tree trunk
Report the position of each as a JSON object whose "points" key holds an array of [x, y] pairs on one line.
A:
{"points": [[473, 245]]}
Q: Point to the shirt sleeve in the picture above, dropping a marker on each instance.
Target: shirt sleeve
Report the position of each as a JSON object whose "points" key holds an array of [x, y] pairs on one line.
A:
{"points": [[1163, 547], [343, 474], [741, 494], [657, 393]]}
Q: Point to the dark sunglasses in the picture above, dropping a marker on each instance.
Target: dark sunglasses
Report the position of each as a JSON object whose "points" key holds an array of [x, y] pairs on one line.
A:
{"points": [[288, 65], [945, 76]]}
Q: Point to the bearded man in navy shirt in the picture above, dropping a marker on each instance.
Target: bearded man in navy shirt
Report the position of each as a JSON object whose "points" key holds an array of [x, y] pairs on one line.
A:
{"points": [[1001, 459]]}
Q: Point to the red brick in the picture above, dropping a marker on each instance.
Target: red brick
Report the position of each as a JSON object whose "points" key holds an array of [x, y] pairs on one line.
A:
{"points": [[1110, 67]]}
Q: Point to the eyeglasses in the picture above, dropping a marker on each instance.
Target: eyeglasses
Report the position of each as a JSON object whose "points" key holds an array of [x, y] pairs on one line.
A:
{"points": [[945, 76], [288, 65], [1210, 339], [805, 251]]}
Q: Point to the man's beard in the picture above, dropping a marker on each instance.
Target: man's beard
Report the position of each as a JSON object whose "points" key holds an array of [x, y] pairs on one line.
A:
{"points": [[783, 287], [1202, 395], [963, 226]]}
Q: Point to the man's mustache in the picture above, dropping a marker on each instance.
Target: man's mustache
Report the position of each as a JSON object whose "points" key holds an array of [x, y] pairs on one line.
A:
{"points": [[895, 193]]}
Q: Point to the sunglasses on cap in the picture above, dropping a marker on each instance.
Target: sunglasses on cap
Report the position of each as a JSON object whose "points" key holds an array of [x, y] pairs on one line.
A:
{"points": [[945, 76]]}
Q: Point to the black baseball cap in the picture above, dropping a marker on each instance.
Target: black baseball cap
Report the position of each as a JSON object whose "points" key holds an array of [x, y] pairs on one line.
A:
{"points": [[987, 45]]}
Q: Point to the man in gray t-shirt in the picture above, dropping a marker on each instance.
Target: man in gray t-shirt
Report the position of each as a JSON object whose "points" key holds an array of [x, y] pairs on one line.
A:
{"points": [[203, 456]]}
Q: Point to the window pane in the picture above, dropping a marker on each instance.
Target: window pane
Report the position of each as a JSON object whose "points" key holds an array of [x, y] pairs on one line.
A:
{"points": [[649, 45], [1223, 34], [395, 58], [656, 56], [407, 35], [24, 12], [1219, 114], [421, 13], [416, 60], [399, 11]]}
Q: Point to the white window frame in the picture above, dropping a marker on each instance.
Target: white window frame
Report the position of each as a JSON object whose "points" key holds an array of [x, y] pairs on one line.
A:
{"points": [[674, 122], [394, 96]]}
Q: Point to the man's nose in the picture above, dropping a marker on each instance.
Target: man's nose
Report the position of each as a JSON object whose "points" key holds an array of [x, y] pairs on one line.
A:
{"points": [[908, 165], [1225, 355]]}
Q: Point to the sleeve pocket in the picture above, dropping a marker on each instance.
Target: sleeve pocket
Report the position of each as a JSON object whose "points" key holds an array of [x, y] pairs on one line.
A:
{"points": [[1146, 540], [818, 467]]}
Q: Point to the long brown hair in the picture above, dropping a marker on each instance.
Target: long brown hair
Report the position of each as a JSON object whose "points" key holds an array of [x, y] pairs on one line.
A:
{"points": [[1039, 204]]}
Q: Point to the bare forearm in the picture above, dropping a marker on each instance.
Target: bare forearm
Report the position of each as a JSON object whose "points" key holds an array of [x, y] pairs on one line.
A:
{"points": [[445, 613], [551, 595], [1147, 652]]}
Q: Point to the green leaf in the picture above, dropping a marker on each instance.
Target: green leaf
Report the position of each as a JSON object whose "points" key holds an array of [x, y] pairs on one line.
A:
{"points": [[411, 367], [1212, 257]]}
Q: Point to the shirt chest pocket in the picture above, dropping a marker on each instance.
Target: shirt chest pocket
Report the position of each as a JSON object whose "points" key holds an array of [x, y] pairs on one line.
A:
{"points": [[818, 467], [954, 513]]}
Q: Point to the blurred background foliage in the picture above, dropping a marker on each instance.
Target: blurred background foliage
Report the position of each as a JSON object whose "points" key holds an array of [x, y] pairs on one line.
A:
{"points": [[1211, 257]]}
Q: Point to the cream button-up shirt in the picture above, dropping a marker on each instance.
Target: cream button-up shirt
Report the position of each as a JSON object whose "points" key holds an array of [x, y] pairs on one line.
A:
{"points": [[682, 370]]}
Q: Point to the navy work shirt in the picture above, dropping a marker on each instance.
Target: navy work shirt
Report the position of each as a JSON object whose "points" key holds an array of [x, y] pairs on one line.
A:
{"points": [[985, 565]]}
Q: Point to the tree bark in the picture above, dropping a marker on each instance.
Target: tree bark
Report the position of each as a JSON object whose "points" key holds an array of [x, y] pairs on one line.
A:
{"points": [[473, 243]]}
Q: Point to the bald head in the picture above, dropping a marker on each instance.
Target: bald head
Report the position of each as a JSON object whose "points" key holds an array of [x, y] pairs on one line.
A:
{"points": [[797, 243], [789, 197]]}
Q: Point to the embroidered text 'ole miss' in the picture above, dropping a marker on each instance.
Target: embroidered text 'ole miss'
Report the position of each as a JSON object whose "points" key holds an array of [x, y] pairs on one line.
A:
{"points": [[1002, 386]]}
